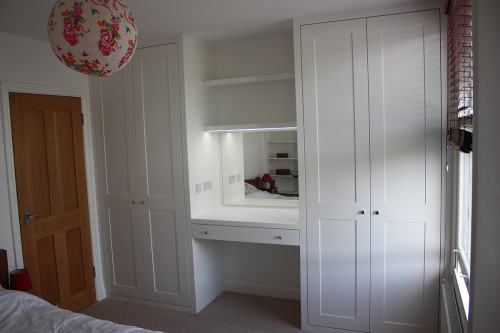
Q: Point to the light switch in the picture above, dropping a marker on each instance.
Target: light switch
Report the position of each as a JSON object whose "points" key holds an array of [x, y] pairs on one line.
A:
{"points": [[231, 179], [199, 188]]}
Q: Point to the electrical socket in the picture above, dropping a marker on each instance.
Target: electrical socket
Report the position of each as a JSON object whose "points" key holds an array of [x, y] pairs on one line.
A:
{"points": [[207, 186]]}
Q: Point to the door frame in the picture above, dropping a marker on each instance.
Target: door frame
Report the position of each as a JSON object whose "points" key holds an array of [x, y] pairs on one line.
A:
{"points": [[17, 87]]}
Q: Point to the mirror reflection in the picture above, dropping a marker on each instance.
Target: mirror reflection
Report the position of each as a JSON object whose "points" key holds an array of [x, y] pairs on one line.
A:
{"points": [[260, 169]]}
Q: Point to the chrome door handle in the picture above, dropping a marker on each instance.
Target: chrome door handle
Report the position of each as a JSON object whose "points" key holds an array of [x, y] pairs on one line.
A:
{"points": [[362, 212], [376, 212], [28, 217]]}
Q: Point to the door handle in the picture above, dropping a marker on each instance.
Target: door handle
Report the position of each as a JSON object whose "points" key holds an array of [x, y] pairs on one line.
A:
{"points": [[376, 212], [28, 217]]}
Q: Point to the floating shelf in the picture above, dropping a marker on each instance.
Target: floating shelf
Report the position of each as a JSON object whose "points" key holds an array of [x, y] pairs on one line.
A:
{"points": [[269, 127], [282, 158], [235, 81], [284, 141], [284, 176], [289, 192]]}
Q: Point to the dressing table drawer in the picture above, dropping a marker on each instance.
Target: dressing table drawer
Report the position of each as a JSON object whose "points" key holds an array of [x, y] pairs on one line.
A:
{"points": [[246, 234]]}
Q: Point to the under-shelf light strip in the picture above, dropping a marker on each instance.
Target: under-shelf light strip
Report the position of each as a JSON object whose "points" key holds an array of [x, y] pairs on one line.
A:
{"points": [[267, 129]]}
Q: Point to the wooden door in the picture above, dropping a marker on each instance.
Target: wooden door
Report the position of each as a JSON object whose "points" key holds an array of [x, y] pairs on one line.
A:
{"points": [[336, 134], [160, 159], [122, 228], [52, 197], [406, 171]]}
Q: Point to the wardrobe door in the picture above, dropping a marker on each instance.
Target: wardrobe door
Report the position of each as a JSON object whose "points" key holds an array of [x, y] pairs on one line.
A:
{"points": [[336, 138], [158, 116], [119, 182], [406, 170]]}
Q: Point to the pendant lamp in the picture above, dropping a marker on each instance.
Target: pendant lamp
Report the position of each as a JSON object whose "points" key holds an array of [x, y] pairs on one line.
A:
{"points": [[93, 37]]}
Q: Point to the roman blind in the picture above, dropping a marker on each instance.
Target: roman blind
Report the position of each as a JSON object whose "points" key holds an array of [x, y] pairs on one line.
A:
{"points": [[460, 75]]}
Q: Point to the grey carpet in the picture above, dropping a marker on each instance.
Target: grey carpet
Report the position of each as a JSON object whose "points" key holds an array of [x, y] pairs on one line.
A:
{"points": [[229, 313]]}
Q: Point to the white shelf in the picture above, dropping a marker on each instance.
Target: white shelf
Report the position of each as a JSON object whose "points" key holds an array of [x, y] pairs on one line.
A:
{"points": [[282, 158], [282, 141], [283, 176], [265, 127], [235, 81], [288, 192]]}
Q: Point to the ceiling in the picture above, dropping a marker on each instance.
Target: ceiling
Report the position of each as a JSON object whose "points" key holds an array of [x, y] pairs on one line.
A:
{"points": [[204, 19]]}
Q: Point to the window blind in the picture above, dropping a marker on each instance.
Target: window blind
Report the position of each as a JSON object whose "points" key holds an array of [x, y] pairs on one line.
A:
{"points": [[460, 75]]}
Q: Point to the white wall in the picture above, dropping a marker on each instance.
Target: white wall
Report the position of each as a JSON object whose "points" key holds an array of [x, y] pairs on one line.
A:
{"points": [[203, 165], [252, 268], [259, 55], [232, 167], [257, 268], [253, 155], [262, 269], [29, 65], [203, 148], [485, 270], [28, 61]]}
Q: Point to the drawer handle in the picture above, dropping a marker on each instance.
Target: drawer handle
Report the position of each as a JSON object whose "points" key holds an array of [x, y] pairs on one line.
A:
{"points": [[279, 237]]}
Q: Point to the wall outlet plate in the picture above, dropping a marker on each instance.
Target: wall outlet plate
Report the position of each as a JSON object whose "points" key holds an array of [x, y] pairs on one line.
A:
{"points": [[207, 186]]}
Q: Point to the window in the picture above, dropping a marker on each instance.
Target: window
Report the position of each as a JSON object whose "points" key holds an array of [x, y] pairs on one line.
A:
{"points": [[460, 137], [464, 210], [462, 230]]}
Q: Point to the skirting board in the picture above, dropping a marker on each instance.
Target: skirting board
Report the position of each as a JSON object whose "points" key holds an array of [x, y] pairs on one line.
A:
{"points": [[152, 303], [262, 289]]}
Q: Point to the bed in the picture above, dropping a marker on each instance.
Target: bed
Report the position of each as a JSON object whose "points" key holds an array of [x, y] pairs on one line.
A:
{"points": [[252, 192], [23, 312]]}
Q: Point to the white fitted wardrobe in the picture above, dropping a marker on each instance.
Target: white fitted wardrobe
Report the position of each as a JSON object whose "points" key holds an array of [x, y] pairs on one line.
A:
{"points": [[143, 214], [370, 119]]}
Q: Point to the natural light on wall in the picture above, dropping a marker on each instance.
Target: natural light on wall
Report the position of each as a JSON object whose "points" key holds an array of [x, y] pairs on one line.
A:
{"points": [[270, 127]]}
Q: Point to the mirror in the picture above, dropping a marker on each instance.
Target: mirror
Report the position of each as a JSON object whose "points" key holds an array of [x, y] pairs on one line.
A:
{"points": [[260, 169]]}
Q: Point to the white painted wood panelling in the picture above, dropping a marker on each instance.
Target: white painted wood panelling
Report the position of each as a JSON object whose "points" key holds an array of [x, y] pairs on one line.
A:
{"points": [[335, 98], [121, 233], [140, 136], [158, 118], [246, 234], [405, 114], [121, 228]]}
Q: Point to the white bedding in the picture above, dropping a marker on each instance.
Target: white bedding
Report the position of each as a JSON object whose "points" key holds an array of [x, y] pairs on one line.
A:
{"points": [[251, 192], [23, 312]]}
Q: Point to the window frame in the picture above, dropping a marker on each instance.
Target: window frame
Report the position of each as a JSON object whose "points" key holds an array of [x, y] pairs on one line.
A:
{"points": [[459, 279]]}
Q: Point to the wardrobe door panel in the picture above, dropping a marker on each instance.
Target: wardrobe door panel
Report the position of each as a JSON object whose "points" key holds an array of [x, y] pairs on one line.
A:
{"points": [[405, 125], [158, 116], [335, 97], [119, 180]]}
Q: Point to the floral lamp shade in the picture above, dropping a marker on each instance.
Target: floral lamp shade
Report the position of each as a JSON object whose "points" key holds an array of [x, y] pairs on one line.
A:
{"points": [[94, 37]]}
